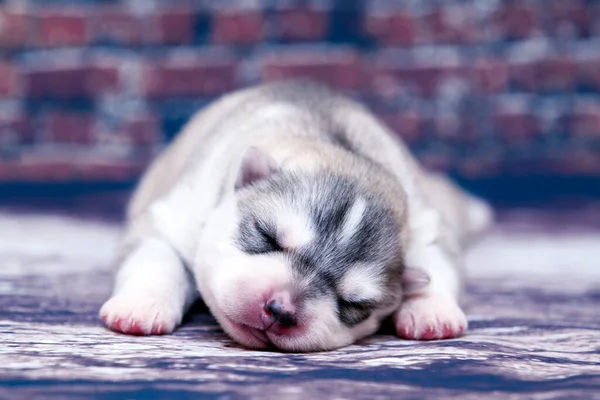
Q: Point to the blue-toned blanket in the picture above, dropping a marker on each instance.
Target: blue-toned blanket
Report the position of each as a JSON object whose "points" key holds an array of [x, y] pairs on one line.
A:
{"points": [[533, 301]]}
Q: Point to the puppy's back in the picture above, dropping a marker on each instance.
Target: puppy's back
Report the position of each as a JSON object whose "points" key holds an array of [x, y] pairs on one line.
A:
{"points": [[196, 136]]}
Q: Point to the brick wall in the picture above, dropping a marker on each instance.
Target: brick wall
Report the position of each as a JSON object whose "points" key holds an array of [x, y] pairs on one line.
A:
{"points": [[90, 90]]}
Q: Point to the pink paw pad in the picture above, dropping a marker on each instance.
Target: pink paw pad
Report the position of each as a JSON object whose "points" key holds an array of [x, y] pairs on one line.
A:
{"points": [[121, 325], [137, 318], [429, 318]]}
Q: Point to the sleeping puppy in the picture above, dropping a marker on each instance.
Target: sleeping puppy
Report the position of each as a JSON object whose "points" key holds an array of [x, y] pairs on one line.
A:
{"points": [[301, 221]]}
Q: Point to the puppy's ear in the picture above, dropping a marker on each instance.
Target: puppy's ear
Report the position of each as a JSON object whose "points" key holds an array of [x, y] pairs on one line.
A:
{"points": [[256, 165], [413, 280]]}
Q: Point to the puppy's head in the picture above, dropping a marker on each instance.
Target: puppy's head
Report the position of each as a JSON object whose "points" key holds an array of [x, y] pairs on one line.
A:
{"points": [[299, 261]]}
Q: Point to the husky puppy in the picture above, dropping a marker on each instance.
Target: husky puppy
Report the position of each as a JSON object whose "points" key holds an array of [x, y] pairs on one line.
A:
{"points": [[302, 222]]}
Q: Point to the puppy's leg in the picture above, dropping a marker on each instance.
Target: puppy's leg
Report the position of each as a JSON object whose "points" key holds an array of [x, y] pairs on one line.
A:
{"points": [[152, 291], [432, 311]]}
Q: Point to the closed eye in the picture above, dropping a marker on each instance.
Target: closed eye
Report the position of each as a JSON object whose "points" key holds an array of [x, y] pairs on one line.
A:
{"points": [[362, 304], [354, 312], [272, 245]]}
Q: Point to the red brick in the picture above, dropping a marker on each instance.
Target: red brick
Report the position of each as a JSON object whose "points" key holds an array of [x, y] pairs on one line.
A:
{"points": [[442, 30], [569, 17], [9, 80], [17, 125], [62, 28], [114, 23], [175, 26], [14, 28], [588, 72], [479, 166], [107, 170], [593, 11], [60, 83], [575, 162], [490, 75], [7, 170], [524, 75], [302, 24], [454, 127], [585, 120], [395, 29], [238, 27], [557, 73], [69, 128], [75, 82], [407, 124], [56, 168], [383, 87], [192, 78], [436, 161], [449, 74], [33, 168], [102, 79], [517, 20], [515, 126], [421, 79], [338, 68], [142, 130]]}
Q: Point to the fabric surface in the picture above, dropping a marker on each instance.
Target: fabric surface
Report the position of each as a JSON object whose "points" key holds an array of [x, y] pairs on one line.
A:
{"points": [[532, 301]]}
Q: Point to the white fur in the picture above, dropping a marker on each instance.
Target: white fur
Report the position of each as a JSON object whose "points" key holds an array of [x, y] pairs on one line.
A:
{"points": [[433, 259], [433, 311], [276, 111], [151, 292], [293, 229], [353, 219], [361, 283]]}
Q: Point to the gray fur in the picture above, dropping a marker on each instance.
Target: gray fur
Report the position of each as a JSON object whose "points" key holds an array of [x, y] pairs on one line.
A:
{"points": [[327, 198]]}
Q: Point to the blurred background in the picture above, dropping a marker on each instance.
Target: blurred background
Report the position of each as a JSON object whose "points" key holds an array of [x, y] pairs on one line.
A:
{"points": [[503, 95]]}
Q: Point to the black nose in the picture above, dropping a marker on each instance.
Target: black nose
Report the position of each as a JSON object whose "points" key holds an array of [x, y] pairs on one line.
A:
{"points": [[283, 317]]}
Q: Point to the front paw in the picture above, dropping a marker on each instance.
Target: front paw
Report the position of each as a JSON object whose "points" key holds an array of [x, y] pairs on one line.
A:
{"points": [[428, 317], [140, 315]]}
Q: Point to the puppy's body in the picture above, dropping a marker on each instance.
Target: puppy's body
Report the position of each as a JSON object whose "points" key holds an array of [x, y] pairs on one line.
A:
{"points": [[302, 222]]}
